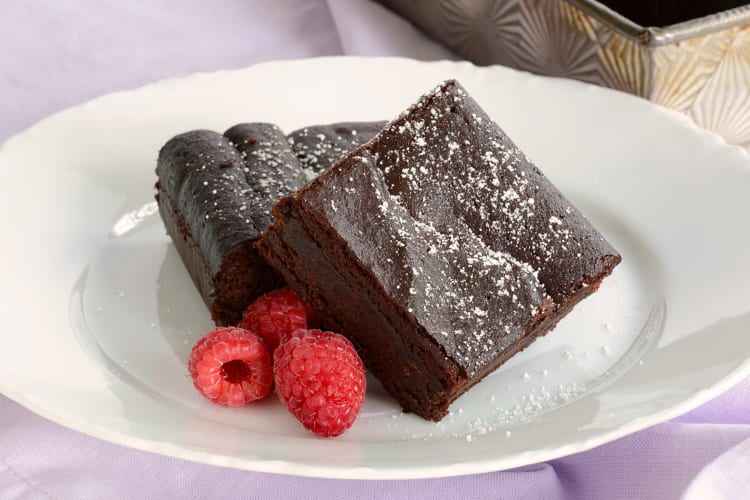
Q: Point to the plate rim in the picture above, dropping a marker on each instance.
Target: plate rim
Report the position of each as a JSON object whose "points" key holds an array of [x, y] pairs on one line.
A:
{"points": [[259, 464]]}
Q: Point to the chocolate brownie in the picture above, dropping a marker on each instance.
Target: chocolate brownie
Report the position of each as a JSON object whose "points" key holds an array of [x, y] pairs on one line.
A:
{"points": [[215, 191], [438, 248]]}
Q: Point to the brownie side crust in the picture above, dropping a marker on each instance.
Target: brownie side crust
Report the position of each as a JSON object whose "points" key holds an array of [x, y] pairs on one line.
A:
{"points": [[412, 368], [438, 248], [223, 292], [215, 192]]}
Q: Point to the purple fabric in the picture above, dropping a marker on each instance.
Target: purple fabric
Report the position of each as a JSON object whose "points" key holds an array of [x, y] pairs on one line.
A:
{"points": [[56, 54]]}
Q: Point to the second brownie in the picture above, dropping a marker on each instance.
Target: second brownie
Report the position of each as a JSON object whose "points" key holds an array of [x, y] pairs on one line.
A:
{"points": [[215, 191]]}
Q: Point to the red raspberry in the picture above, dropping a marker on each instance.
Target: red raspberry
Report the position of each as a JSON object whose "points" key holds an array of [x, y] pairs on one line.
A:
{"points": [[275, 315], [321, 380], [231, 366]]}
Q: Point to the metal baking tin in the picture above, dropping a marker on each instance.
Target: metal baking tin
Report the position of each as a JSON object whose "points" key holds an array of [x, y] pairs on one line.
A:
{"points": [[700, 67]]}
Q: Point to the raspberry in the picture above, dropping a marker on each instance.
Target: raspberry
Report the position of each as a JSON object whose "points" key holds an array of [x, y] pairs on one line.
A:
{"points": [[275, 315], [321, 380], [231, 366]]}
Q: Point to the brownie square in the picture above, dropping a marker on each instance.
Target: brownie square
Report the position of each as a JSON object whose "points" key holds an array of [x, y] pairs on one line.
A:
{"points": [[215, 191], [438, 248]]}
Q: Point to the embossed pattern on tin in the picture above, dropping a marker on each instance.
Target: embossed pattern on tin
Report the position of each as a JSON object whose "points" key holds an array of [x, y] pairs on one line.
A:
{"points": [[699, 67]]}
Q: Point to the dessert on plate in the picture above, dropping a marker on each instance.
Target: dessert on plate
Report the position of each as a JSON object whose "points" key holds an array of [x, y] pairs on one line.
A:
{"points": [[431, 242], [438, 248]]}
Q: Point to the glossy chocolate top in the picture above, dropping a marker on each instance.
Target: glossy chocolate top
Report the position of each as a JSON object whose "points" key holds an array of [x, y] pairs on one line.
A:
{"points": [[224, 185]]}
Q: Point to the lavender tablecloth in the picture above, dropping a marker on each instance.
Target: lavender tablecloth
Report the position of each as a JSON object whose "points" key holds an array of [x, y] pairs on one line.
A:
{"points": [[56, 54]]}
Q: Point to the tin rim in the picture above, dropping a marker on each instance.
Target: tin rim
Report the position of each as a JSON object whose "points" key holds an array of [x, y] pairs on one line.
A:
{"points": [[654, 36]]}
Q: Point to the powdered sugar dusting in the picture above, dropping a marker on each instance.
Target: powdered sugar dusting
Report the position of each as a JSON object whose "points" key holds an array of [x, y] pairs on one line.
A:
{"points": [[270, 172]]}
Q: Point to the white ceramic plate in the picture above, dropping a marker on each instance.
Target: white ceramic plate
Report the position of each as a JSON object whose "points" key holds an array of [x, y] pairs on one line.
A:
{"points": [[100, 314]]}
